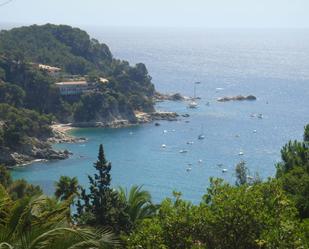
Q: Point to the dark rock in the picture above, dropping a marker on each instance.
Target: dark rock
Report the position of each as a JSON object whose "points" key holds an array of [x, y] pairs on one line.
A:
{"points": [[238, 98], [171, 97]]}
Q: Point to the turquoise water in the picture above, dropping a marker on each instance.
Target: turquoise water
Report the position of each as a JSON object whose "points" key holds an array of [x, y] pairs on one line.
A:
{"points": [[273, 65]]}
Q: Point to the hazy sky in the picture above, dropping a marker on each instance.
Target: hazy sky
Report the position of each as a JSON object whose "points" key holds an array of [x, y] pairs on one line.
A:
{"points": [[200, 13]]}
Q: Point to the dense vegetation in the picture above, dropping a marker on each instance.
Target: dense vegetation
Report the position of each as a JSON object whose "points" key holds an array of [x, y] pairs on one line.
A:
{"points": [[250, 214], [18, 124], [29, 99], [71, 49]]}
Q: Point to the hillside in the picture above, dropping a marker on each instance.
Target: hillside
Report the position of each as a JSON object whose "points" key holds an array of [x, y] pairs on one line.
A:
{"points": [[129, 88], [30, 99], [62, 46]]}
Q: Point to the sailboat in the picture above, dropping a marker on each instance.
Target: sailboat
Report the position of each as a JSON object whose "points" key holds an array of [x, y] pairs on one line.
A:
{"points": [[193, 103], [201, 136]]}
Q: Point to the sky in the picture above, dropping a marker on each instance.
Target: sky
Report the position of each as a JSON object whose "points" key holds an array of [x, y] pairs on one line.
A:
{"points": [[160, 13]]}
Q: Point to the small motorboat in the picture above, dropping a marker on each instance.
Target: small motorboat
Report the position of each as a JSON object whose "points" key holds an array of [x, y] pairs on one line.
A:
{"points": [[201, 137], [163, 146], [224, 170], [183, 151], [241, 153]]}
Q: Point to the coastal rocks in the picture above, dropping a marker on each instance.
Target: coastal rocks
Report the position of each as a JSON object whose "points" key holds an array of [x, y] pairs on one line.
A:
{"points": [[31, 151], [118, 123], [237, 98], [143, 117], [60, 135], [171, 97], [169, 116]]}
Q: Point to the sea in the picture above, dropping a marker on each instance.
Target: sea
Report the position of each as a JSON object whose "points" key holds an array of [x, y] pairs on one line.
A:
{"points": [[272, 65]]}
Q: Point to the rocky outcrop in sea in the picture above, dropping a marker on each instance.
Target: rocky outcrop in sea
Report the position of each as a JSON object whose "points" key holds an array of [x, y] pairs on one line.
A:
{"points": [[236, 98], [33, 149]]}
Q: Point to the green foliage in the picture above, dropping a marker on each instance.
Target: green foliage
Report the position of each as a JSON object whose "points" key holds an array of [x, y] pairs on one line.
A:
{"points": [[17, 189], [5, 177], [294, 154], [138, 203], [305, 230], [258, 216], [63, 46], [102, 206], [66, 187], [72, 50], [150, 235], [11, 94], [42, 223], [293, 172], [38, 92], [20, 189], [306, 133], [241, 173], [18, 124]]}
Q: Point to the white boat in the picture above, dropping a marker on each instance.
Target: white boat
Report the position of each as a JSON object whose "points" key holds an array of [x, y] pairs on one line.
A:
{"points": [[190, 142], [188, 169], [183, 151], [200, 161], [201, 137], [163, 145], [192, 105], [224, 170], [241, 153]]}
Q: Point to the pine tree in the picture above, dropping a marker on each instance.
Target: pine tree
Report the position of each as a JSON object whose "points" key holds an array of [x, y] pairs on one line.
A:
{"points": [[306, 133], [102, 206]]}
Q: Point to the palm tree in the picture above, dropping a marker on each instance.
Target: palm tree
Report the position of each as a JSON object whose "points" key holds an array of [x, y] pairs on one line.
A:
{"points": [[139, 205], [42, 223], [66, 187]]}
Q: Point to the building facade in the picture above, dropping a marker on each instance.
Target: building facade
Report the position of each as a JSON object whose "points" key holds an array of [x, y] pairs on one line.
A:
{"points": [[75, 87]]}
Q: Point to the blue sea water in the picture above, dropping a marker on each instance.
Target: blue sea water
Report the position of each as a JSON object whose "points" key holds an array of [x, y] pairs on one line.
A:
{"points": [[270, 64]]}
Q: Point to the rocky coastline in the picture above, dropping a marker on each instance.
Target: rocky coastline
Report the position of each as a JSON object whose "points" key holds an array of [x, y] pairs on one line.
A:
{"points": [[61, 130], [41, 149], [32, 150], [159, 97], [236, 98]]}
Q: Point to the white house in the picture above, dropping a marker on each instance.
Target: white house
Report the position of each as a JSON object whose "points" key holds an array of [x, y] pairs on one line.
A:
{"points": [[75, 87]]}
